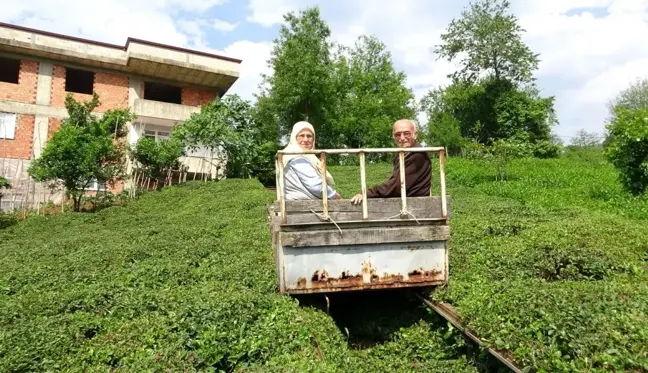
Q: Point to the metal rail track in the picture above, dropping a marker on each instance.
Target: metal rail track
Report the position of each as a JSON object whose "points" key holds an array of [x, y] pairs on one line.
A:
{"points": [[447, 313]]}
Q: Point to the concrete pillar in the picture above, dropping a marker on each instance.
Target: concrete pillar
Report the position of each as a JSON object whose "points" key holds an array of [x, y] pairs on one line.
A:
{"points": [[44, 85], [134, 90], [40, 134], [43, 97]]}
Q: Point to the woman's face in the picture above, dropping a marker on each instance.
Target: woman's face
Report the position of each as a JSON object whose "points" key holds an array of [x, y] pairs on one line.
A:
{"points": [[305, 139]]}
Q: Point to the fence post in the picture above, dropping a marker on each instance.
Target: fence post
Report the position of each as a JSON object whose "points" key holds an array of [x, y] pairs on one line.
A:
{"points": [[444, 207], [324, 186], [280, 189], [363, 185], [401, 160]]}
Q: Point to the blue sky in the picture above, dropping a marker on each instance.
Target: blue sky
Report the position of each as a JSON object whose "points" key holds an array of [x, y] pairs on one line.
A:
{"points": [[589, 49]]}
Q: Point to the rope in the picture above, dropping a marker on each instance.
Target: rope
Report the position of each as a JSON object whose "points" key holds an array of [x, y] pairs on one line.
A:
{"points": [[321, 217], [408, 213]]}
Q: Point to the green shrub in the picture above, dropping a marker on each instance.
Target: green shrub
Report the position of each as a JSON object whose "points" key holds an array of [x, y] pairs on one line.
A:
{"points": [[627, 148], [156, 158], [546, 149]]}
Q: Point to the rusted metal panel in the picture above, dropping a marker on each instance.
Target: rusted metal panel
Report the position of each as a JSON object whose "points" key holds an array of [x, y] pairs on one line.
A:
{"points": [[363, 267]]}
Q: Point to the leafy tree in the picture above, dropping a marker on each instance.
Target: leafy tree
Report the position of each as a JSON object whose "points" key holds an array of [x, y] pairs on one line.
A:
{"points": [[299, 87], [628, 148], [370, 95], [225, 127], [585, 139], [491, 109], [351, 95], [86, 148], [634, 97], [490, 41], [156, 159], [492, 95]]}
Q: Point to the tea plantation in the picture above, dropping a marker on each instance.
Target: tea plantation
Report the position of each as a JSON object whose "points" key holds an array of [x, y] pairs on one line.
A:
{"points": [[549, 265]]}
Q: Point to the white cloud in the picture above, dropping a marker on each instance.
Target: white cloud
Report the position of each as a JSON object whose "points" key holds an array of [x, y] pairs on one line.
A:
{"points": [[268, 13], [254, 56], [221, 25]]}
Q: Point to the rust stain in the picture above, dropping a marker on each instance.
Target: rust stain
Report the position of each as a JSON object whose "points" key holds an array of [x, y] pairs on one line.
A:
{"points": [[422, 276], [368, 278]]}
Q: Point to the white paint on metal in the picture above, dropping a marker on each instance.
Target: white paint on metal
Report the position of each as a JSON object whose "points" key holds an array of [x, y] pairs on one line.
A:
{"points": [[386, 259]]}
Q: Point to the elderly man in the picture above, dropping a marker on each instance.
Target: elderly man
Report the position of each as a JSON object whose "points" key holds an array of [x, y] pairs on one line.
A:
{"points": [[417, 168]]}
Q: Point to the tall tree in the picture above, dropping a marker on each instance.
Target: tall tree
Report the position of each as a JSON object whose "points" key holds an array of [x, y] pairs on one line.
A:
{"points": [[634, 97], [489, 41], [369, 95], [223, 127], [585, 139], [492, 95], [299, 87], [85, 148]]}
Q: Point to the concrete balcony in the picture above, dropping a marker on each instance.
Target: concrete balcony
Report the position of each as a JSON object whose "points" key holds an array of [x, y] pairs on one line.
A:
{"points": [[151, 110]]}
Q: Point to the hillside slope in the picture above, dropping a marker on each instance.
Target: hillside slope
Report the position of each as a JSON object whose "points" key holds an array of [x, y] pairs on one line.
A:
{"points": [[551, 264], [183, 280]]}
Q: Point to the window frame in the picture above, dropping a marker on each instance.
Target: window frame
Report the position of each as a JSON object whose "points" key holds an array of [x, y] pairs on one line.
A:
{"points": [[11, 133]]}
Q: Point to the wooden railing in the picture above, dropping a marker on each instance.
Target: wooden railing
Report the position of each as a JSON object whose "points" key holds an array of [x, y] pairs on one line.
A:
{"points": [[363, 181]]}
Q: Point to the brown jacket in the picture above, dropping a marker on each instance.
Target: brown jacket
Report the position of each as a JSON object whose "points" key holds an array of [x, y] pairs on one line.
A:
{"points": [[417, 178]]}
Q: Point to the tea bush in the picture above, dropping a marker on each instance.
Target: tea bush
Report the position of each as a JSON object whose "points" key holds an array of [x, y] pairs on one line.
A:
{"points": [[549, 265], [182, 279]]}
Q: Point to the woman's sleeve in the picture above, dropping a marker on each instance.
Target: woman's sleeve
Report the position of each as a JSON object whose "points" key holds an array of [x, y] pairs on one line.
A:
{"points": [[310, 178]]}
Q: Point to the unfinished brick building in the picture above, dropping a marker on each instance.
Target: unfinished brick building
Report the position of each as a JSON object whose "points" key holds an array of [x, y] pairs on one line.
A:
{"points": [[161, 84]]}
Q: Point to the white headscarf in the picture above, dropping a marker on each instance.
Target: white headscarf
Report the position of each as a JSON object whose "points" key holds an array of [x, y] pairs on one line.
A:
{"points": [[293, 146]]}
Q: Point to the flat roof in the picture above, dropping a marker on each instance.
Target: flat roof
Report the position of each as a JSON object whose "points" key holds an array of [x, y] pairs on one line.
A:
{"points": [[115, 46], [139, 57]]}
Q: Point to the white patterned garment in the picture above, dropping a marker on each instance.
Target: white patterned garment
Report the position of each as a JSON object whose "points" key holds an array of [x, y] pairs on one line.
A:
{"points": [[302, 181]]}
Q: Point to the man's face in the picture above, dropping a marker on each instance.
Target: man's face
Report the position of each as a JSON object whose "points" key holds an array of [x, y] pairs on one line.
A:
{"points": [[305, 139], [404, 134]]}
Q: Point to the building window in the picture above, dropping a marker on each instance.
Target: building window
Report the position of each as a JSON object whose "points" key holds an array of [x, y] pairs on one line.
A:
{"points": [[9, 70], [94, 185], [156, 135], [7, 126], [162, 92], [79, 81]]}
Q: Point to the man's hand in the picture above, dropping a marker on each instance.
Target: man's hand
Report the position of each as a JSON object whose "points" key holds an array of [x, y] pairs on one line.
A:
{"points": [[357, 199]]}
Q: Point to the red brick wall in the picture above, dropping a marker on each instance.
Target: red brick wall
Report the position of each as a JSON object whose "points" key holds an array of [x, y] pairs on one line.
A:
{"points": [[25, 90], [197, 97], [21, 146], [112, 90], [53, 125]]}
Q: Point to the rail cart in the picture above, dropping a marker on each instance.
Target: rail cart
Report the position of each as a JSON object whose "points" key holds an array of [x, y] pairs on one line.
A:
{"points": [[324, 246]]}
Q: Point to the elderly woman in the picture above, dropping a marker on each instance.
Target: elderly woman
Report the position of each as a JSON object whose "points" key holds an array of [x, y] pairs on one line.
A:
{"points": [[303, 172]]}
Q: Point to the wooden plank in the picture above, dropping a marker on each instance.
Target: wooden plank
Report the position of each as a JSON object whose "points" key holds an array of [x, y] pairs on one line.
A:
{"points": [[365, 236], [373, 205], [341, 217], [360, 224]]}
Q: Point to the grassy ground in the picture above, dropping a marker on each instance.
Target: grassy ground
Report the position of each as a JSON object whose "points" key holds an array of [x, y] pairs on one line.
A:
{"points": [[550, 265], [183, 280]]}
